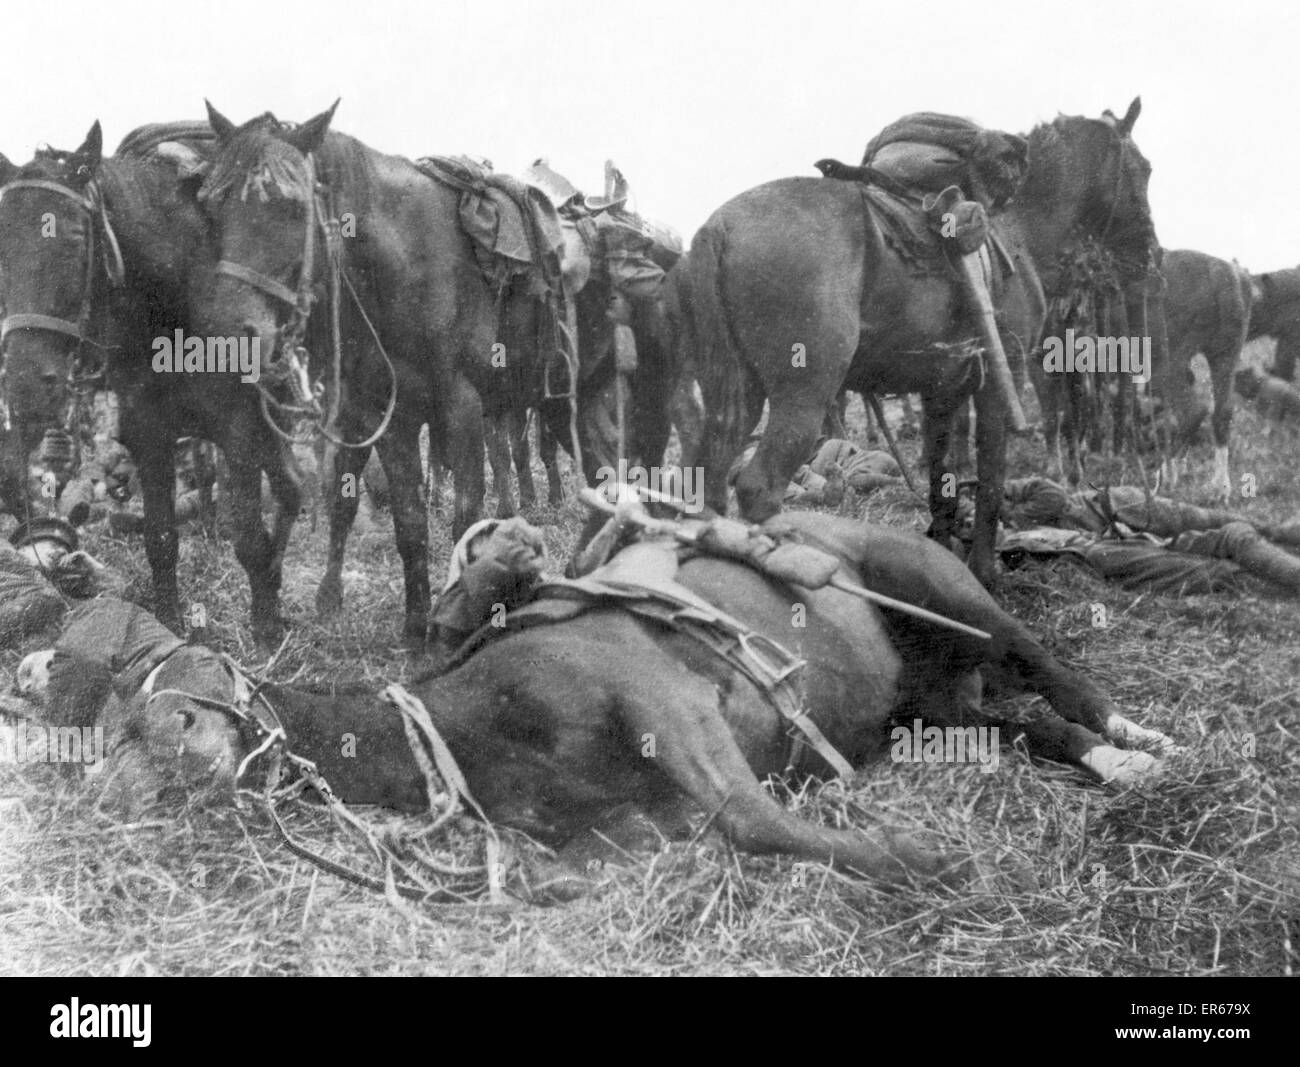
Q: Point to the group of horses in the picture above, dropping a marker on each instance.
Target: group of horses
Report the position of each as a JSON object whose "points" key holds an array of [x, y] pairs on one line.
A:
{"points": [[100, 255], [247, 246]]}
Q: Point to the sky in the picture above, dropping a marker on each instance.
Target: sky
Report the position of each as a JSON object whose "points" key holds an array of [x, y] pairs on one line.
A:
{"points": [[696, 100]]}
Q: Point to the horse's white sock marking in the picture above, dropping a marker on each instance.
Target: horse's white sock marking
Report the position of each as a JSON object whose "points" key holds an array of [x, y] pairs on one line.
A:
{"points": [[1119, 766], [1127, 732]]}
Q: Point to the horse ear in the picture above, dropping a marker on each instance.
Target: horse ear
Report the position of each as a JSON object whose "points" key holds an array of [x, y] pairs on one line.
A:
{"points": [[86, 158], [1131, 116], [7, 170], [221, 125], [311, 134]]}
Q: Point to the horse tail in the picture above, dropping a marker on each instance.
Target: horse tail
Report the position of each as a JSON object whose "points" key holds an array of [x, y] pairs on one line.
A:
{"points": [[717, 358]]}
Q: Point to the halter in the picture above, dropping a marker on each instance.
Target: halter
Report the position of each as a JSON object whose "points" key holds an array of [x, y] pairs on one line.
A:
{"points": [[92, 205]]}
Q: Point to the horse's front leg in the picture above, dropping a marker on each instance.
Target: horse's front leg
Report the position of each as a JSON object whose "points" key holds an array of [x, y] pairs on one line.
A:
{"points": [[285, 478], [341, 488], [991, 445], [462, 419], [253, 546], [399, 451], [155, 463]]}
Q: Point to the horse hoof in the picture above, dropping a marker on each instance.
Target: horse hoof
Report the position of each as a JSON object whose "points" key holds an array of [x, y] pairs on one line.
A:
{"points": [[1122, 767], [329, 599]]}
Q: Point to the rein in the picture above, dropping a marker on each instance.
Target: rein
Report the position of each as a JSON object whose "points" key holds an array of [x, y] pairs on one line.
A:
{"points": [[444, 783]]}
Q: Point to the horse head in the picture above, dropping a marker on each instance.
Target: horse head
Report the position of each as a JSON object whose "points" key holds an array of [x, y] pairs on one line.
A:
{"points": [[260, 196], [1090, 174], [51, 221]]}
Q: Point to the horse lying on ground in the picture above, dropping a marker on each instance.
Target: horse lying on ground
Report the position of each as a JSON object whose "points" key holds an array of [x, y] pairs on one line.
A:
{"points": [[602, 709]]}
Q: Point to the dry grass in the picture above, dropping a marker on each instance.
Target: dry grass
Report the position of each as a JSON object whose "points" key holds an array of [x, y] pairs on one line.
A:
{"points": [[1197, 874]]}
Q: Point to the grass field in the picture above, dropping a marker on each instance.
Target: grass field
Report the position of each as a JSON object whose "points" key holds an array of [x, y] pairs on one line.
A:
{"points": [[1198, 873]]}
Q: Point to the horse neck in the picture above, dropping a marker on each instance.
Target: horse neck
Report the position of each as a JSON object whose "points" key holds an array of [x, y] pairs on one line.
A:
{"points": [[1047, 221]]}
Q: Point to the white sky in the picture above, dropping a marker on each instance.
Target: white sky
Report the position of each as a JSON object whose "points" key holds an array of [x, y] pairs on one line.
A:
{"points": [[696, 99]]}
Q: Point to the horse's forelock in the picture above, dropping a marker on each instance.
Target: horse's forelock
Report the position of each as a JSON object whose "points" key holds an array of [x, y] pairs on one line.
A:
{"points": [[257, 161]]}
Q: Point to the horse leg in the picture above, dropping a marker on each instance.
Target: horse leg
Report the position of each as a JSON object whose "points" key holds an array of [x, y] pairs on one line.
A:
{"points": [[399, 452], [548, 450], [697, 751], [285, 479], [898, 564], [991, 446], [937, 424], [341, 489], [1223, 365], [522, 453], [253, 545], [462, 417], [793, 425], [156, 467], [497, 433], [961, 437]]}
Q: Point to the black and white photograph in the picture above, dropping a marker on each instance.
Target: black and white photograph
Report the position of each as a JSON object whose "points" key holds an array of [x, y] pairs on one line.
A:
{"points": [[619, 489]]}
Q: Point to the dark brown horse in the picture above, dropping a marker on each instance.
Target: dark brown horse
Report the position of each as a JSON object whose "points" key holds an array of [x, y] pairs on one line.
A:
{"points": [[414, 310], [98, 259], [794, 294]]}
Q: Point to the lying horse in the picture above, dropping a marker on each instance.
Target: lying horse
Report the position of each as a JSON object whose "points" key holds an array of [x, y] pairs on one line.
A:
{"points": [[558, 724]]}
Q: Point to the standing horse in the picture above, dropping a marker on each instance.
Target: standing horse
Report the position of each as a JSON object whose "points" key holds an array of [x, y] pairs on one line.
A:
{"points": [[98, 258], [1207, 309], [417, 321], [795, 294]]}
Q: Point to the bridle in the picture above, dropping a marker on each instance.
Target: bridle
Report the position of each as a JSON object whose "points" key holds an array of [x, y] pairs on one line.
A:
{"points": [[92, 205], [300, 300]]}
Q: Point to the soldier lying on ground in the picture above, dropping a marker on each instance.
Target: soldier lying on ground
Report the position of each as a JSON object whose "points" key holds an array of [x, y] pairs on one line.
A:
{"points": [[835, 466], [1161, 544]]}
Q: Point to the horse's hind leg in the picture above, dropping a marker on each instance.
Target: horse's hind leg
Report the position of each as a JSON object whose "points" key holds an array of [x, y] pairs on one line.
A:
{"points": [[937, 420], [399, 451], [1223, 365], [991, 444], [793, 425], [341, 488], [696, 750]]}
